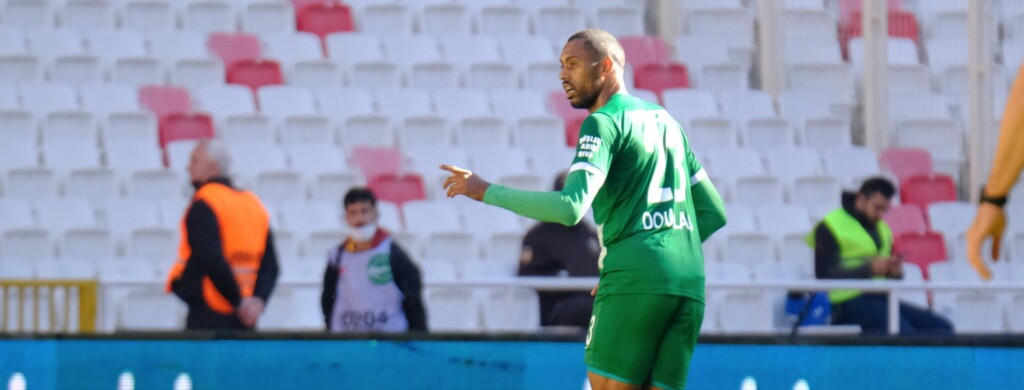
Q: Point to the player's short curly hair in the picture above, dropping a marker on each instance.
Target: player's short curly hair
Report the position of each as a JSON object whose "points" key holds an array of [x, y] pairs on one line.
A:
{"points": [[600, 44]]}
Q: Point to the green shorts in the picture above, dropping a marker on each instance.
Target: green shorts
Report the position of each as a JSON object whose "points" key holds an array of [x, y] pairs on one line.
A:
{"points": [[634, 338]]}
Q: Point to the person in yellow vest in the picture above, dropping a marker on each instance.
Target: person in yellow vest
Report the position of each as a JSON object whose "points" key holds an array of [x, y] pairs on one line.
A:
{"points": [[227, 266], [854, 242]]}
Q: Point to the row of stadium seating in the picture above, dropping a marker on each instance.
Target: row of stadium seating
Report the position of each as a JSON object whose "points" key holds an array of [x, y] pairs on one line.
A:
{"points": [[294, 306], [300, 145], [275, 16], [139, 228]]}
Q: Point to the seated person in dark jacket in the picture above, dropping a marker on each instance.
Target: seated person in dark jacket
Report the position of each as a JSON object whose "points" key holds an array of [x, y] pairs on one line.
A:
{"points": [[551, 249], [853, 242], [371, 284]]}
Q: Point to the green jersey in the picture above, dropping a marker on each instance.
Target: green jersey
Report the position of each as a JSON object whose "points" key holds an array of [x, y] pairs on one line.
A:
{"points": [[643, 210], [651, 200]]}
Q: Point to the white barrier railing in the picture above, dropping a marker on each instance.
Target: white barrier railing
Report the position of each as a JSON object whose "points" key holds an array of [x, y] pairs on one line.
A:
{"points": [[541, 283]]}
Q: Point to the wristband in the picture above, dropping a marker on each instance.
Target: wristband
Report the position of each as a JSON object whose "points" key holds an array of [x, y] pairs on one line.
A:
{"points": [[999, 201]]}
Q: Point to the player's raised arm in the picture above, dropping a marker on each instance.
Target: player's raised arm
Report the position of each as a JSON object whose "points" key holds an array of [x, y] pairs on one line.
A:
{"points": [[586, 176], [566, 207]]}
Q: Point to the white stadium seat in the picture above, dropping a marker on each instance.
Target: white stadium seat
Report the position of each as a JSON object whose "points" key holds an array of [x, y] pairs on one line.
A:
{"points": [[292, 48], [452, 309], [152, 16], [503, 20], [152, 310], [268, 18], [387, 19], [349, 49], [208, 16], [27, 244], [557, 22], [512, 310], [446, 19], [29, 14], [30, 183]]}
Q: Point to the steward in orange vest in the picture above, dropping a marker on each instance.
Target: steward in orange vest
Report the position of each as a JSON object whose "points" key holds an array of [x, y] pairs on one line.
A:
{"points": [[226, 255]]}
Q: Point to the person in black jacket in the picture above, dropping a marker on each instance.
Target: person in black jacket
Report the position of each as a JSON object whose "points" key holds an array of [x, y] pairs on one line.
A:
{"points": [[370, 284], [552, 249], [226, 240]]}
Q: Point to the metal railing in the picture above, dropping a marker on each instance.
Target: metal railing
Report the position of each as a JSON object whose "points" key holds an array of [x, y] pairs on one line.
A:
{"points": [[30, 294], [893, 288]]}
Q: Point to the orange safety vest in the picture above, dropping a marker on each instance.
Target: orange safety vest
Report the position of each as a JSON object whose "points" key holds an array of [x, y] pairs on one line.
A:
{"points": [[243, 223]]}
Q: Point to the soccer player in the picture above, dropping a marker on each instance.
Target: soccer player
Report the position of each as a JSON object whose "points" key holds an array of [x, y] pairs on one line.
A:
{"points": [[653, 204]]}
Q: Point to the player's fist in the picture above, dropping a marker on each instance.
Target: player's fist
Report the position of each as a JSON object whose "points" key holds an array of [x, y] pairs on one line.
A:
{"points": [[464, 182], [990, 222]]}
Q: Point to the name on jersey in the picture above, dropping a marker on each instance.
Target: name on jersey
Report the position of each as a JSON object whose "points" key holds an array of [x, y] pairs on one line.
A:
{"points": [[588, 145], [666, 219]]}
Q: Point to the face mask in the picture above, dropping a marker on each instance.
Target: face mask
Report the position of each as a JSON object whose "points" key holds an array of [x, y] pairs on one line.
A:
{"points": [[363, 233]]}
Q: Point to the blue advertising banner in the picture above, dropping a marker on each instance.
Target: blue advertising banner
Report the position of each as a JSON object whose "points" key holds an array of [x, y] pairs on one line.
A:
{"points": [[443, 365]]}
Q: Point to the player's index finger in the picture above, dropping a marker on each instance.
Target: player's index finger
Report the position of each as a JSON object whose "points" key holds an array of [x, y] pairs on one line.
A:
{"points": [[452, 168]]}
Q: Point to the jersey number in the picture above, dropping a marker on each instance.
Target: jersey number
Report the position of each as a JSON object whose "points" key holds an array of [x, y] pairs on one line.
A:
{"points": [[667, 146]]}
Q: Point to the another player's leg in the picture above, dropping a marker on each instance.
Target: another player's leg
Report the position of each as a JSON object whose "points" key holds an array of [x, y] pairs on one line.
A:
{"points": [[672, 360], [623, 338]]}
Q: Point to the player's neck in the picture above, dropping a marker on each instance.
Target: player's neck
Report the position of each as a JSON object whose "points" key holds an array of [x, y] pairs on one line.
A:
{"points": [[610, 89]]}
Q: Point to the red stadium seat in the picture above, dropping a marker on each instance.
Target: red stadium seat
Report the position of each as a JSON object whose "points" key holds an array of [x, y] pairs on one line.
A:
{"points": [[164, 101], [921, 249], [232, 48], [373, 162], [907, 162], [643, 50], [906, 218], [902, 24], [659, 77], [572, 117], [325, 18], [398, 189], [572, 130], [923, 190], [185, 126], [300, 5], [255, 73]]}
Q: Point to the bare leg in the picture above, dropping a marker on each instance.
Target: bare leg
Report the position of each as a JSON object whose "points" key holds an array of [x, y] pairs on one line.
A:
{"points": [[598, 382]]}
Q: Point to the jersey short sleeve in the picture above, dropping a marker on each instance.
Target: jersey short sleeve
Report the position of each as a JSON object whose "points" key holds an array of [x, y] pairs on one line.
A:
{"points": [[694, 166], [594, 149]]}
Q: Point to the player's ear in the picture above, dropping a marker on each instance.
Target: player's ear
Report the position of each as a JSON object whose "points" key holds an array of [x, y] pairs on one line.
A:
{"points": [[607, 66]]}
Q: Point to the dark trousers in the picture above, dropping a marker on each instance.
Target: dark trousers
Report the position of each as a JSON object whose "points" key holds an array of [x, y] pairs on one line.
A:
{"points": [[201, 317], [871, 312], [573, 310]]}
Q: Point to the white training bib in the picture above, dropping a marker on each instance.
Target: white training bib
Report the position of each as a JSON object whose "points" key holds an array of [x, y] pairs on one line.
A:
{"points": [[367, 299]]}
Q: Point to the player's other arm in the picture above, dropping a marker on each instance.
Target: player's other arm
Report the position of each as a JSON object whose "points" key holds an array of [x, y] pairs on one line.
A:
{"points": [[707, 203], [1009, 161], [708, 207], [1006, 167]]}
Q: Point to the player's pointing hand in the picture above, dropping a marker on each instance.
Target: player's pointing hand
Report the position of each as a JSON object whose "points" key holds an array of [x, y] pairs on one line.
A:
{"points": [[464, 182]]}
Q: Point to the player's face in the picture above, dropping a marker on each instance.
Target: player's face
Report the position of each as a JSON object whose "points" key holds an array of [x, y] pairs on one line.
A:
{"points": [[359, 214], [580, 75], [873, 207]]}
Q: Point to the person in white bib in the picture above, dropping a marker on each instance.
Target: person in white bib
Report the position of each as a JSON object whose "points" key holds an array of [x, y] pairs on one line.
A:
{"points": [[370, 285]]}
